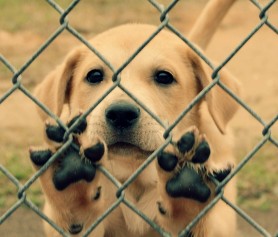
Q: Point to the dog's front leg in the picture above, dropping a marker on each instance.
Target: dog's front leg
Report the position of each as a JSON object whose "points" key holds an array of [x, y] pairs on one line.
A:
{"points": [[184, 185], [72, 184]]}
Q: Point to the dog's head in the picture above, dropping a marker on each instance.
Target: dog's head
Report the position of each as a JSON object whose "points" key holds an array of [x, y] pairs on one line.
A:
{"points": [[165, 76]]}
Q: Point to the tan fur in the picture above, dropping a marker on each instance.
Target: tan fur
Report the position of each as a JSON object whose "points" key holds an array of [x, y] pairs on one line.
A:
{"points": [[208, 22], [65, 87]]}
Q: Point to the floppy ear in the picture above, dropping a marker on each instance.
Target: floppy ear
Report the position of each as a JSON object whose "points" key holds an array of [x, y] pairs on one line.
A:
{"points": [[221, 106], [55, 89]]}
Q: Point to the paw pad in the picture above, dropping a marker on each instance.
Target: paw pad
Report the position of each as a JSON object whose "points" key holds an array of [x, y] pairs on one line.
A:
{"points": [[184, 178], [202, 153], [167, 161], [186, 142], [71, 166], [220, 175], [39, 158], [81, 126], [56, 132], [188, 184], [72, 169], [94, 153]]}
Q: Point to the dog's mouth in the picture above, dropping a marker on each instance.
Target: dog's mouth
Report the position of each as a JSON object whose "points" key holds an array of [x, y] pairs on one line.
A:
{"points": [[127, 149], [139, 142], [130, 143]]}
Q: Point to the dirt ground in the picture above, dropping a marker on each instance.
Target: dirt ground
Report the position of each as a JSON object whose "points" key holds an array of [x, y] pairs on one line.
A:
{"points": [[255, 65]]}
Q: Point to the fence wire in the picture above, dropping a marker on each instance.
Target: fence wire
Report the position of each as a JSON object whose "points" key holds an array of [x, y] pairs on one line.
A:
{"points": [[165, 23]]}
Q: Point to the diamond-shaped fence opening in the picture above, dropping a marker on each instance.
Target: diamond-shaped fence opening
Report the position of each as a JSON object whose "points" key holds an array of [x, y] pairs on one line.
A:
{"points": [[22, 187]]}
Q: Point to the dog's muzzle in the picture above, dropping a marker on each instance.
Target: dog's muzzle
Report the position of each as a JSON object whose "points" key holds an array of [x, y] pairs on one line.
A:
{"points": [[124, 126]]}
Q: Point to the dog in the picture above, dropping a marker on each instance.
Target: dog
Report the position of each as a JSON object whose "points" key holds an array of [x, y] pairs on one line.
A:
{"points": [[119, 134]]}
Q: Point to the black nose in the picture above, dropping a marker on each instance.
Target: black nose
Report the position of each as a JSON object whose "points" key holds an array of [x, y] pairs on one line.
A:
{"points": [[122, 115]]}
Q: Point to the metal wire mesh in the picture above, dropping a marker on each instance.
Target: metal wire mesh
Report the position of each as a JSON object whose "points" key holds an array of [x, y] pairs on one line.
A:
{"points": [[165, 23]]}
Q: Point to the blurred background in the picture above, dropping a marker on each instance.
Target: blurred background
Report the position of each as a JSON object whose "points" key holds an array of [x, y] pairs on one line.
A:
{"points": [[26, 25]]}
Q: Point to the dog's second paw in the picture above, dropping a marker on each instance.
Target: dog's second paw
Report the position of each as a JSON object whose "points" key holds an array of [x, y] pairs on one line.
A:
{"points": [[76, 163], [184, 167], [73, 168]]}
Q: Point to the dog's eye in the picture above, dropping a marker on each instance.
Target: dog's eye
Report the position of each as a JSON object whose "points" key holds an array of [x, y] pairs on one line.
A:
{"points": [[95, 76], [164, 77]]}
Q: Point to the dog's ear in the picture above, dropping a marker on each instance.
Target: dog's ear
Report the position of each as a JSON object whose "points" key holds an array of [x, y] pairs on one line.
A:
{"points": [[55, 89], [221, 106]]}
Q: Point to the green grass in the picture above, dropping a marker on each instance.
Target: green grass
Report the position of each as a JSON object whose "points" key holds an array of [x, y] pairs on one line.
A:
{"points": [[20, 170], [257, 181], [17, 164], [18, 15], [42, 18]]}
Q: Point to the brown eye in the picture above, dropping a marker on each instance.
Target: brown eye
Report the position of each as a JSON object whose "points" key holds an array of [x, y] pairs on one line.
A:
{"points": [[95, 76], [164, 77]]}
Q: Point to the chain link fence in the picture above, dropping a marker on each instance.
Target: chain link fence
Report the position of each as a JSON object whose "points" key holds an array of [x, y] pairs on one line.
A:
{"points": [[165, 24]]}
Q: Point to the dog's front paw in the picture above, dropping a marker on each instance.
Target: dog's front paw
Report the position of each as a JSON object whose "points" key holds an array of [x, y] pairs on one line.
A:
{"points": [[182, 167], [78, 162]]}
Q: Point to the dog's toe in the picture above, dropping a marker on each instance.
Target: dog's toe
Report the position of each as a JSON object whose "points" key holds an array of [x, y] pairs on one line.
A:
{"points": [[220, 175], [81, 127], [167, 161], [202, 153], [94, 153], [186, 142], [55, 132], [40, 157]]}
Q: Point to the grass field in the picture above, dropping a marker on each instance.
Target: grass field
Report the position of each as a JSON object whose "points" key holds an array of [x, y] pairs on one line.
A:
{"points": [[25, 25]]}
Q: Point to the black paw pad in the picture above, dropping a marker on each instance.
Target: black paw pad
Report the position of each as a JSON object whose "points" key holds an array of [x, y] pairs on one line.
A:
{"points": [[202, 153], [39, 158], [186, 142], [72, 169], [188, 184], [167, 161], [81, 127], [221, 174], [55, 133], [75, 229], [94, 153]]}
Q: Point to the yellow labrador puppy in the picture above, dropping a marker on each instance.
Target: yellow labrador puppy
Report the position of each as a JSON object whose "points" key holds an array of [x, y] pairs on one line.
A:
{"points": [[120, 135]]}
